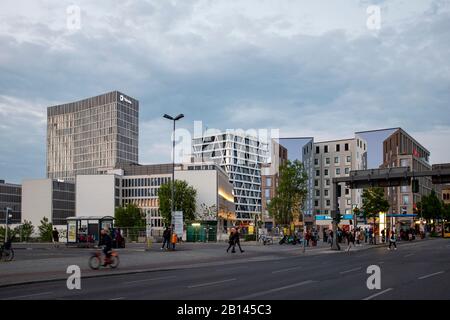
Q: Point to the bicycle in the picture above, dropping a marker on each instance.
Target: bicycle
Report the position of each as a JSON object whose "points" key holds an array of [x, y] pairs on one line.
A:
{"points": [[6, 252], [97, 259]]}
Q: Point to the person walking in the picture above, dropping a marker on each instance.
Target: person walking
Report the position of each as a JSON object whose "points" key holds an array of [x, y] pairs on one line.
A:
{"points": [[392, 241], [357, 235], [237, 241], [55, 236], [231, 242], [366, 235], [350, 240], [166, 238]]}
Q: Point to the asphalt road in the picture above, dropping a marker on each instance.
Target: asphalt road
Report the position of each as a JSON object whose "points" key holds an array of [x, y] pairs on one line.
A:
{"points": [[419, 270]]}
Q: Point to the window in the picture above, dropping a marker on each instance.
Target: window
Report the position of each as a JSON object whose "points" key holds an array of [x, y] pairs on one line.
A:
{"points": [[349, 159], [338, 171], [316, 183], [326, 192], [268, 182], [404, 189], [316, 203], [406, 200], [327, 160], [327, 182], [347, 170], [326, 212], [346, 147], [404, 163], [316, 162], [326, 172], [336, 160], [338, 147], [317, 173], [317, 149], [328, 203], [317, 193], [325, 149], [349, 202], [267, 193], [347, 191]]}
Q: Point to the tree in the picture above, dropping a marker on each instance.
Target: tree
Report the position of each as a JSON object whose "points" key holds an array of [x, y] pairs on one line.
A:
{"points": [[45, 230], [374, 202], [185, 200], [26, 230], [291, 193], [129, 216], [430, 207], [446, 212]]}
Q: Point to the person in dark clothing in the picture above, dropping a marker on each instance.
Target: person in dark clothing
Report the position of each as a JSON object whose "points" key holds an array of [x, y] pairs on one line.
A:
{"points": [[237, 241], [55, 236], [106, 242], [231, 242], [166, 238]]}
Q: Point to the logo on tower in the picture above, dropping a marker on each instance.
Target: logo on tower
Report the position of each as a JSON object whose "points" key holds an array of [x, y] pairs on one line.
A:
{"points": [[122, 98]]}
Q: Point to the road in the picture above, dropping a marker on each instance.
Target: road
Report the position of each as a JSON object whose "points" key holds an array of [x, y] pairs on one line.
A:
{"points": [[417, 270]]}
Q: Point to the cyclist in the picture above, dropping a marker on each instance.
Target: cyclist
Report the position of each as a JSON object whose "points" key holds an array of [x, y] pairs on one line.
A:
{"points": [[106, 241]]}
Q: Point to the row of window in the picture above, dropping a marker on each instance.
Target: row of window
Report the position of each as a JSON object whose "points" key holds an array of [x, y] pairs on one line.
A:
{"points": [[328, 202], [337, 171], [336, 160], [327, 192], [145, 182], [140, 193]]}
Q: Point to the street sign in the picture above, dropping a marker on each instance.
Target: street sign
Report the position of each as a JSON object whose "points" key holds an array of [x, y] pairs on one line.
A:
{"points": [[177, 221]]}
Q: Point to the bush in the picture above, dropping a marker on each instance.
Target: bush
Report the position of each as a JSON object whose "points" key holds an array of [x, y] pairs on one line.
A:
{"points": [[250, 237]]}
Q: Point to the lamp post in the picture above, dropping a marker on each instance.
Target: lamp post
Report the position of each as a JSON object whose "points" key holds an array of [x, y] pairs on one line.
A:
{"points": [[178, 117], [7, 215]]}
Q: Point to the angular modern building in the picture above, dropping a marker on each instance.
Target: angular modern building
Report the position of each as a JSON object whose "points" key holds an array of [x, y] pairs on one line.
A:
{"points": [[10, 197], [241, 156], [91, 136], [270, 175], [330, 159], [402, 150]]}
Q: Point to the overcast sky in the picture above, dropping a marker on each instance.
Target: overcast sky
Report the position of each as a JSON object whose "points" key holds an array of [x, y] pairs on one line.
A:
{"points": [[309, 68]]}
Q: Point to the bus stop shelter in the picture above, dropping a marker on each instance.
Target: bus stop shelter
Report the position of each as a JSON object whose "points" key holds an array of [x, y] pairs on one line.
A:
{"points": [[85, 230]]}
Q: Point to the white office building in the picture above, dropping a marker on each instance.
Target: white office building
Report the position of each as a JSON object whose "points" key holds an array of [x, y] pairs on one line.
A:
{"points": [[241, 156]]}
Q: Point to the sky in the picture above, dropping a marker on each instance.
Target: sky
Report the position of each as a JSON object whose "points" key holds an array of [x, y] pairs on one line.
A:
{"points": [[322, 69]]}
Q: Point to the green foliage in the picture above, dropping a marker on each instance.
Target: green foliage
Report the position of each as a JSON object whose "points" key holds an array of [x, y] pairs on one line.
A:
{"points": [[185, 200], [45, 230], [446, 212], [25, 230], [129, 216], [374, 202], [431, 207], [291, 193]]}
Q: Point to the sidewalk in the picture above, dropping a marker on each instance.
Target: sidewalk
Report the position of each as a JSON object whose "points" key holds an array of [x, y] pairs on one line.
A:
{"points": [[49, 263]]}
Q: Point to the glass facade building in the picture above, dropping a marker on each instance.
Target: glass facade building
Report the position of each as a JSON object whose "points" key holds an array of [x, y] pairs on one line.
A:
{"points": [[91, 136], [10, 197]]}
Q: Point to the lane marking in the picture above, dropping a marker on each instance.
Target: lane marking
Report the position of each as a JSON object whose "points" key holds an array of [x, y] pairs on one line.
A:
{"points": [[408, 255], [30, 295], [233, 268], [152, 279], [430, 275], [210, 283], [378, 294], [262, 293], [351, 270], [120, 298], [285, 270]]}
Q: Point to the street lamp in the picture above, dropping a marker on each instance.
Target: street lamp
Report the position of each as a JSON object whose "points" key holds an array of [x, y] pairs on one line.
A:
{"points": [[7, 215], [178, 117]]}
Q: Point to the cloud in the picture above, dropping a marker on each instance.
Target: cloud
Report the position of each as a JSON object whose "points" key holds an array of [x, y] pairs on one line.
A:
{"points": [[232, 64]]}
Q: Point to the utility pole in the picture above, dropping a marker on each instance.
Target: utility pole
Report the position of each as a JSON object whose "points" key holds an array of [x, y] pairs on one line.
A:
{"points": [[7, 210]]}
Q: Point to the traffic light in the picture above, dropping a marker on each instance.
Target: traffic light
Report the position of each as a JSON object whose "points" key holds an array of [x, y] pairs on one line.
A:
{"points": [[415, 186]]}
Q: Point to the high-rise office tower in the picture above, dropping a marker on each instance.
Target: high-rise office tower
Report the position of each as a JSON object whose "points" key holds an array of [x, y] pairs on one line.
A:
{"points": [[241, 156], [92, 135]]}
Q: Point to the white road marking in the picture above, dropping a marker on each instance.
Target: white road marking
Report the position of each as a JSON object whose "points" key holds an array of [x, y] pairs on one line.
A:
{"points": [[285, 270], [351, 270], [152, 279], [120, 298], [232, 268], [409, 255], [210, 283], [430, 275], [262, 293], [378, 294], [29, 295]]}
